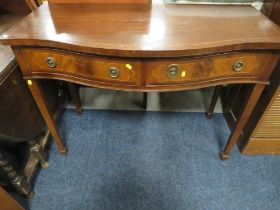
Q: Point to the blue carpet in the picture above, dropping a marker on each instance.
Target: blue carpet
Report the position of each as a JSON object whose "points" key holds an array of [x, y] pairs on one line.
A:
{"points": [[122, 160]]}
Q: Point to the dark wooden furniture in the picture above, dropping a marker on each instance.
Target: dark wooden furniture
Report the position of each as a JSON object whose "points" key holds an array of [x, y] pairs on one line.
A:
{"points": [[20, 119], [146, 48], [7, 202]]}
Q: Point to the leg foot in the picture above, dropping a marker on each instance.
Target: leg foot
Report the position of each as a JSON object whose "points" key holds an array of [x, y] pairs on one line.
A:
{"points": [[30, 195], [224, 157], [45, 164], [209, 115], [79, 111], [64, 152]]}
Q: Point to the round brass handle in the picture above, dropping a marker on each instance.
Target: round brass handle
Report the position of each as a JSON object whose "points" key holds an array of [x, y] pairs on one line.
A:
{"points": [[51, 62], [238, 66], [114, 72], [173, 71]]}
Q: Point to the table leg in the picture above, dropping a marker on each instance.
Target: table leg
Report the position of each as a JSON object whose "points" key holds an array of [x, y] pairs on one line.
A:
{"points": [[252, 101], [145, 100], [216, 94], [75, 96], [40, 98]]}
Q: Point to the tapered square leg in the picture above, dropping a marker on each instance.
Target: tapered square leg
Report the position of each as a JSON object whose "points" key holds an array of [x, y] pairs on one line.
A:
{"points": [[223, 156], [216, 94], [40, 98], [145, 100], [252, 101], [75, 96]]}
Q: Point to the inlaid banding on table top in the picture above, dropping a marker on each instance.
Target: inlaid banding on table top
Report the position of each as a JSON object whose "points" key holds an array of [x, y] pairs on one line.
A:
{"points": [[141, 31], [152, 71]]}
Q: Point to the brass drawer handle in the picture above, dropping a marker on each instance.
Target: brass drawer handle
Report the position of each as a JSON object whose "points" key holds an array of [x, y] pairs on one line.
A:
{"points": [[238, 66], [114, 72], [173, 71], [51, 62]]}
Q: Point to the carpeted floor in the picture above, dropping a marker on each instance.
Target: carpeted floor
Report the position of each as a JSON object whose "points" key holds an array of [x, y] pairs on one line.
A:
{"points": [[125, 160]]}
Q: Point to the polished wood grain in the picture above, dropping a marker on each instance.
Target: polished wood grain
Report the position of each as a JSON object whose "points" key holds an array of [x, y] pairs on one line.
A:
{"points": [[41, 100], [262, 146], [144, 31], [82, 66], [210, 68], [96, 69], [7, 202], [16, 6]]}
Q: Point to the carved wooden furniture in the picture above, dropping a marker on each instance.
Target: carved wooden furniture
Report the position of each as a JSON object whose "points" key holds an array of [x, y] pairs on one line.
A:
{"points": [[20, 119], [146, 48], [16, 126]]}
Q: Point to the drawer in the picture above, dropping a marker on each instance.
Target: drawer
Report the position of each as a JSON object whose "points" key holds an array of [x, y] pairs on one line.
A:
{"points": [[211, 68], [115, 71]]}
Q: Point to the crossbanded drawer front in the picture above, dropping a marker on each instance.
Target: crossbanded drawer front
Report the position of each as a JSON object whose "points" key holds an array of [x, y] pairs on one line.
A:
{"points": [[203, 69], [117, 71]]}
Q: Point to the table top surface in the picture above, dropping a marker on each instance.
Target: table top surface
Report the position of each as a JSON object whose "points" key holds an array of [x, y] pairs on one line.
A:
{"points": [[160, 30]]}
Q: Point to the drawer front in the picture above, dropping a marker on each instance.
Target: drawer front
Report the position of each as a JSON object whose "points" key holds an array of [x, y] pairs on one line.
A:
{"points": [[211, 68], [84, 66]]}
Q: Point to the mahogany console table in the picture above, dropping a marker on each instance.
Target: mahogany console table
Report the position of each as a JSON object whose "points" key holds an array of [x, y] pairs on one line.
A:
{"points": [[146, 48]]}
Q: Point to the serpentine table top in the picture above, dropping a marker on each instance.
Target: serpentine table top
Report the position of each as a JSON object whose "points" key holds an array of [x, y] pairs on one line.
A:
{"points": [[157, 30]]}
